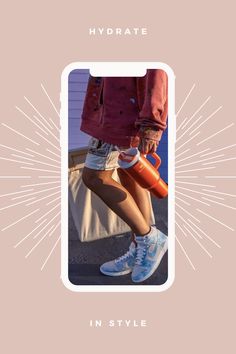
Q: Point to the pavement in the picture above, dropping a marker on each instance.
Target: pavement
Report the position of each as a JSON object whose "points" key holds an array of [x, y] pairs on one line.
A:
{"points": [[85, 258]]}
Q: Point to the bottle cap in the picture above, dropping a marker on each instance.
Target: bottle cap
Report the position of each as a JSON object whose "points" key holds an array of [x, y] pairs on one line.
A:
{"points": [[128, 157]]}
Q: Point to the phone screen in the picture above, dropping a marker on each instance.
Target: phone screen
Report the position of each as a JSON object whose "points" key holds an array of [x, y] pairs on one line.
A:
{"points": [[117, 137]]}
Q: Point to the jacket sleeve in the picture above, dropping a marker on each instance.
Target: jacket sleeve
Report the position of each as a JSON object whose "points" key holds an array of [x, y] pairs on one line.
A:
{"points": [[153, 98]]}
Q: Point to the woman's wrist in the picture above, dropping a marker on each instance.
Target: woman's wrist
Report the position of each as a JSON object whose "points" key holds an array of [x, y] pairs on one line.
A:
{"points": [[149, 134]]}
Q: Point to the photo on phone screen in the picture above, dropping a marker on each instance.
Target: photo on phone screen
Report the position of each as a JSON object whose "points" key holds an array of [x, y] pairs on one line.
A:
{"points": [[117, 140]]}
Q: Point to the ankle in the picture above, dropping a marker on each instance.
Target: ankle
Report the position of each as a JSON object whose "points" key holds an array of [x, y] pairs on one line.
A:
{"points": [[147, 233]]}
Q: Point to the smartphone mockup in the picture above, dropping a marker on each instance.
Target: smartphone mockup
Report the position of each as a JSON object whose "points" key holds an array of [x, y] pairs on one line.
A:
{"points": [[112, 191]]}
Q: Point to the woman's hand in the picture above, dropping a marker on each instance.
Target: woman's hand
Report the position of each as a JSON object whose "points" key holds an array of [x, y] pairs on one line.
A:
{"points": [[148, 140], [147, 146]]}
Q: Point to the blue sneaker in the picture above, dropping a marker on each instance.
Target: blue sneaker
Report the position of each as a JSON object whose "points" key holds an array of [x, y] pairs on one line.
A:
{"points": [[150, 250], [122, 265]]}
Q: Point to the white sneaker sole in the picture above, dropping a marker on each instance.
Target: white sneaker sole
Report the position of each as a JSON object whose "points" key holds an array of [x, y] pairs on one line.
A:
{"points": [[112, 274], [158, 261]]}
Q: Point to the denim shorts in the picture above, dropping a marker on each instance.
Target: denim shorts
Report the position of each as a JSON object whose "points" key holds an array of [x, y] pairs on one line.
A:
{"points": [[101, 155]]}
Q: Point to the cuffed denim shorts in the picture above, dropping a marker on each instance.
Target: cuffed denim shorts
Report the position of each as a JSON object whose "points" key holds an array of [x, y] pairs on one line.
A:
{"points": [[101, 155]]}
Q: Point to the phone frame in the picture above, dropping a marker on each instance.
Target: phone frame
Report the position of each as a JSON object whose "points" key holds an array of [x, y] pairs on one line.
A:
{"points": [[125, 69]]}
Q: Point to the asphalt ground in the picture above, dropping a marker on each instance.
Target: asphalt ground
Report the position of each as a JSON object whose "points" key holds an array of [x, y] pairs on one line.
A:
{"points": [[85, 258]]}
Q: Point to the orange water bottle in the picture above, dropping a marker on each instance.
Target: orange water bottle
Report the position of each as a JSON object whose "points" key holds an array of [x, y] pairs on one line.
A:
{"points": [[143, 172]]}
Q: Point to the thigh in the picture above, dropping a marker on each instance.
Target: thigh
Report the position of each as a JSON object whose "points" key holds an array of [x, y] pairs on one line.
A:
{"points": [[129, 183], [90, 174], [139, 194]]}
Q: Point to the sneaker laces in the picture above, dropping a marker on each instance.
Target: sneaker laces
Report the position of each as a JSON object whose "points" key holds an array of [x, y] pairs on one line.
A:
{"points": [[141, 251], [124, 256]]}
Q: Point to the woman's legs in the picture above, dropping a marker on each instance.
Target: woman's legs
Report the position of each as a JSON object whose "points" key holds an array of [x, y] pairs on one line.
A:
{"points": [[119, 199], [139, 194]]}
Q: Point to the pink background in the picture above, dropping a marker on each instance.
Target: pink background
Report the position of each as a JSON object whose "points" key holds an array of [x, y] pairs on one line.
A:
{"points": [[38, 40]]}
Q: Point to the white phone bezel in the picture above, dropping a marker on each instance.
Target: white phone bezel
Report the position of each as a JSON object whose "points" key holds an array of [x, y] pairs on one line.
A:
{"points": [[117, 69]]}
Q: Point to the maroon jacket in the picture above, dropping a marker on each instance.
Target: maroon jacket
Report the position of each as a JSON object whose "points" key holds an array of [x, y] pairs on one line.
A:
{"points": [[116, 107]]}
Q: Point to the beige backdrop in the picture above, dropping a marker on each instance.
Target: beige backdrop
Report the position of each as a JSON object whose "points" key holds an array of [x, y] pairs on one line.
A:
{"points": [[38, 39]]}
